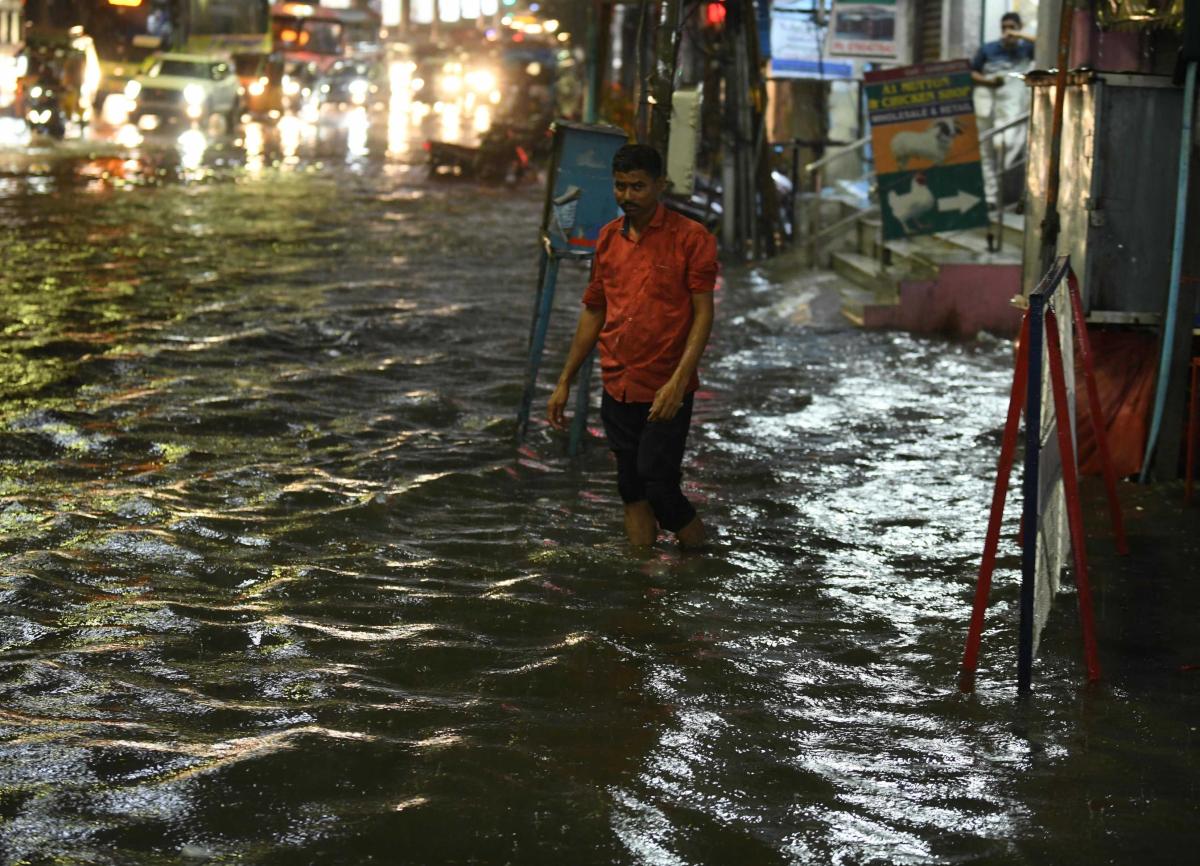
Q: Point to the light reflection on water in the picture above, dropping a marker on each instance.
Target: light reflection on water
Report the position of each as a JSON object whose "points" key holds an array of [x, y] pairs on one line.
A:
{"points": [[277, 587]]}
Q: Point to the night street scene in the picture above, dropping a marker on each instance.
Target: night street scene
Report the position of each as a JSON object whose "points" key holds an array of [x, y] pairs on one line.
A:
{"points": [[657, 432]]}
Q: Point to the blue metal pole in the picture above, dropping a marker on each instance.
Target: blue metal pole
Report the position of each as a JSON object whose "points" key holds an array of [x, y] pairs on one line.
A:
{"points": [[1029, 514], [537, 344], [1168, 338], [591, 111]]}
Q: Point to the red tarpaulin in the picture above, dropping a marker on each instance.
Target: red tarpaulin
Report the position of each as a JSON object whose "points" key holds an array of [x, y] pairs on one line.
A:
{"points": [[1125, 370]]}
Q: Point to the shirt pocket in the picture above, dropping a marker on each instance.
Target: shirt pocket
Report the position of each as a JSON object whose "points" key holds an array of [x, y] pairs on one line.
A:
{"points": [[666, 282]]}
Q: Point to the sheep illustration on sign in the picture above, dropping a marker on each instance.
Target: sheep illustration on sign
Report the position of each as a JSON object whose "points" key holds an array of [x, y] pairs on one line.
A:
{"points": [[932, 143], [926, 144]]}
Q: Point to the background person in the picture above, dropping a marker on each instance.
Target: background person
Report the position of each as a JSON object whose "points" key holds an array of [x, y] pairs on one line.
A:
{"points": [[1001, 97], [650, 306]]}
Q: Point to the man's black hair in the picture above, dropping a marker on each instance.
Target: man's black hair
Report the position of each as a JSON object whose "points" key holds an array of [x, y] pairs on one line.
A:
{"points": [[638, 157], [1010, 16]]}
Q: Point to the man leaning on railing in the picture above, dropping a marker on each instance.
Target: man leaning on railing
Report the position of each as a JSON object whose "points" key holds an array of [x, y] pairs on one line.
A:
{"points": [[1000, 97]]}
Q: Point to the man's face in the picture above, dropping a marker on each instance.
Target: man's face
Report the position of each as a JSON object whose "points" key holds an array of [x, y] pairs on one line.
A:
{"points": [[1008, 33], [637, 192]]}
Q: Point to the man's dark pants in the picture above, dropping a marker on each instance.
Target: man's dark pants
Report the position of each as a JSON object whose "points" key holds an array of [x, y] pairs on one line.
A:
{"points": [[649, 455]]}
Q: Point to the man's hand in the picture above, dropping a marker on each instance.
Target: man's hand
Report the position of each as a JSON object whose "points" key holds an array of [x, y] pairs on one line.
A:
{"points": [[558, 402], [997, 81], [667, 401]]}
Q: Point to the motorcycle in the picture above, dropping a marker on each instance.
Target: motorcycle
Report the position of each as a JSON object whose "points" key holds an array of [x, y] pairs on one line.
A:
{"points": [[507, 151], [704, 203], [44, 111]]}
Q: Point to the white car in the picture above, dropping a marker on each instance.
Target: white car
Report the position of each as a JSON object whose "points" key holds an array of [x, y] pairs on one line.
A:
{"points": [[174, 87]]}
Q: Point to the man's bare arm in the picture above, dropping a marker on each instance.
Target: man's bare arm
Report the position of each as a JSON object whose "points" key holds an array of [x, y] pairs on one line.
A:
{"points": [[587, 332], [670, 396], [986, 80]]}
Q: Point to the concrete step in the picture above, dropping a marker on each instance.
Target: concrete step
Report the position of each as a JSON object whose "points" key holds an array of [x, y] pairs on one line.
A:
{"points": [[855, 300], [913, 258], [972, 246], [869, 275], [1009, 230]]}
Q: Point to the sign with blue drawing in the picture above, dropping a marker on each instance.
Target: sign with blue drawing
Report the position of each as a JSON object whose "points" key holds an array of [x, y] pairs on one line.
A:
{"points": [[579, 194], [926, 142]]}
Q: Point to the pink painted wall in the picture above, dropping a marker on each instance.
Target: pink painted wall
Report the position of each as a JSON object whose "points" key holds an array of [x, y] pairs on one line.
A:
{"points": [[964, 300]]}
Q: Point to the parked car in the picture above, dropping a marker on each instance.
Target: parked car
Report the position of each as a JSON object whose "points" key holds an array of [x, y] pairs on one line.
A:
{"points": [[188, 88]]}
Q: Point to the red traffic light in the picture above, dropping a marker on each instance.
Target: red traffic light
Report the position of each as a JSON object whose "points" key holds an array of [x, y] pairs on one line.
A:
{"points": [[714, 14]]}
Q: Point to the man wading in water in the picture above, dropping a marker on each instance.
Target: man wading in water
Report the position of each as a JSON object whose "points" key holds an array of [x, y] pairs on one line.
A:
{"points": [[650, 305]]}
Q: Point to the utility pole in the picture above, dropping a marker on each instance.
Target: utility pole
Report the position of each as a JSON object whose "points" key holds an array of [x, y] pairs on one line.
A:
{"points": [[732, 235], [593, 65], [662, 86]]}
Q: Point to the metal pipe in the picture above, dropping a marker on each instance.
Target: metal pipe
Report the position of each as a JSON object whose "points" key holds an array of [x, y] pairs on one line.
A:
{"points": [[857, 144], [1168, 334], [860, 143], [988, 133]]}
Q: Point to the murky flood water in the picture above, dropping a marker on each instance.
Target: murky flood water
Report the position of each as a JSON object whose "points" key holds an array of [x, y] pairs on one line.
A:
{"points": [[277, 587]]}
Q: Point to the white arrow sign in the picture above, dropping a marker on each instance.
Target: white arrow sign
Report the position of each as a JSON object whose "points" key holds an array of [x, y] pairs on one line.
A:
{"points": [[962, 201]]}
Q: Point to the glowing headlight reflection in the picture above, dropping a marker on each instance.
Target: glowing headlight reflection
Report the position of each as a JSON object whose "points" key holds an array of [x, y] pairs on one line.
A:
{"points": [[192, 145], [133, 89], [357, 128], [129, 136], [254, 142], [289, 136], [359, 88]]}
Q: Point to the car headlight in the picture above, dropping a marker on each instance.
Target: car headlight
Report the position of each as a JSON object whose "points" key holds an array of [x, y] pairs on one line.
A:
{"points": [[35, 92], [481, 80], [193, 94], [417, 84], [132, 89], [258, 88], [290, 86], [359, 88]]}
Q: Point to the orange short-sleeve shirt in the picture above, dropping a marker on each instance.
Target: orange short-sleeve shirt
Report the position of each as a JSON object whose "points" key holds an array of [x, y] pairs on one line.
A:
{"points": [[646, 288]]}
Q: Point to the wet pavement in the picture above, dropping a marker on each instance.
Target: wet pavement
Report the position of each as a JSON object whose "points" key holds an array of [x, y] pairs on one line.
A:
{"points": [[278, 588]]}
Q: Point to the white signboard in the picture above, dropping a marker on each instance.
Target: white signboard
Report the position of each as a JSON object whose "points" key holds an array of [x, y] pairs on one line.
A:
{"points": [[798, 44], [871, 29], [421, 11]]}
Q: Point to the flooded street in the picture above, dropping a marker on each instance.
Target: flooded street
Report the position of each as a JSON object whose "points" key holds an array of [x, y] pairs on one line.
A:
{"points": [[276, 586]]}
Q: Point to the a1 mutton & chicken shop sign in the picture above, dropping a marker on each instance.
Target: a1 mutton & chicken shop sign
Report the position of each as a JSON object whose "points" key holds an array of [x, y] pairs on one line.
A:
{"points": [[926, 143]]}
